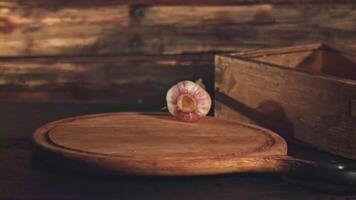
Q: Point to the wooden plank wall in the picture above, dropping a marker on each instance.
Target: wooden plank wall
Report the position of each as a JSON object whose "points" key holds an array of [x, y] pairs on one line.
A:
{"points": [[123, 79], [126, 52]]}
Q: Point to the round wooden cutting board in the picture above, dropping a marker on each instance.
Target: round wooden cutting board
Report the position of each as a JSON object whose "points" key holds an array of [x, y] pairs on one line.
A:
{"points": [[158, 144]]}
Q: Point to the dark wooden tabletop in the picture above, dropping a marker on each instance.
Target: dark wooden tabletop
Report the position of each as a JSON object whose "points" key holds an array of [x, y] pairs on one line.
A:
{"points": [[23, 178]]}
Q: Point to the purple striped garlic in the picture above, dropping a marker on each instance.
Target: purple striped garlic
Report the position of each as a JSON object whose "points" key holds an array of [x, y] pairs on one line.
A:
{"points": [[188, 101]]}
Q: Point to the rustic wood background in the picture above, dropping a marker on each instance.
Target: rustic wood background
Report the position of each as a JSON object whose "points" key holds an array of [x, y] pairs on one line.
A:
{"points": [[60, 58], [132, 51]]}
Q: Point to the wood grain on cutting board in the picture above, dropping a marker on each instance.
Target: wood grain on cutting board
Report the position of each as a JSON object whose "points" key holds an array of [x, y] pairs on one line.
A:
{"points": [[158, 144]]}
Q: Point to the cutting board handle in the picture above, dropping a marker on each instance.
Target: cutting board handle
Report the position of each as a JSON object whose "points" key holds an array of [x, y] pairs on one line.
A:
{"points": [[329, 177]]}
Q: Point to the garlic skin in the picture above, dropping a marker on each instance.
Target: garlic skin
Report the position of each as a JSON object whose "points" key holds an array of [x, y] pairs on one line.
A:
{"points": [[188, 101]]}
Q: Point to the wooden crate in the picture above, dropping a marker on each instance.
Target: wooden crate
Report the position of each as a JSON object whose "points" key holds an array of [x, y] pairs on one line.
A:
{"points": [[305, 93]]}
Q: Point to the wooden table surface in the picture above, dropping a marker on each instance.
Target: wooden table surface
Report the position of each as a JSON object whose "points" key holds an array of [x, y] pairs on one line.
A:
{"points": [[23, 178]]}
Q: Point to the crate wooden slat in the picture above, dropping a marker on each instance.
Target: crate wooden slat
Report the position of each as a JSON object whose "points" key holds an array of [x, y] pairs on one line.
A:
{"points": [[305, 93]]}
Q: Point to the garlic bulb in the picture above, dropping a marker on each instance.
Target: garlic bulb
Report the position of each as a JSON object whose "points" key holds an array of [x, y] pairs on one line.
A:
{"points": [[188, 101]]}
